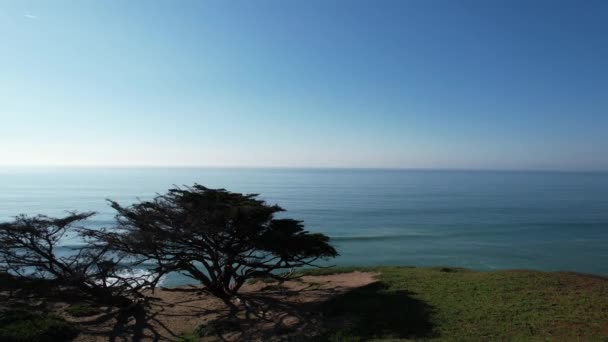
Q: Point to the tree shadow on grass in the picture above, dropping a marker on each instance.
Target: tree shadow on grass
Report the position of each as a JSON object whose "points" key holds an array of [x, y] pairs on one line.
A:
{"points": [[374, 311]]}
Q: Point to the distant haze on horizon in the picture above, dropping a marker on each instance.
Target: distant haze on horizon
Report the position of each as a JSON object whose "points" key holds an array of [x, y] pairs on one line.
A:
{"points": [[349, 84]]}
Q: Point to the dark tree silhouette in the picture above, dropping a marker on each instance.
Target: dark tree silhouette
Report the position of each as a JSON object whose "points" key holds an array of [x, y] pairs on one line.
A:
{"points": [[217, 237], [28, 249]]}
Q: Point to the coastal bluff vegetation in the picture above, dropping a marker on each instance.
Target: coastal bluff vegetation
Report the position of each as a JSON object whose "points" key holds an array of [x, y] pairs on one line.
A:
{"points": [[257, 278]]}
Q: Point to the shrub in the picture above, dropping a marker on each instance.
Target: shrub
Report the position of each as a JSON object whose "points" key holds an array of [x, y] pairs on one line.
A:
{"points": [[217, 327], [31, 326], [82, 310]]}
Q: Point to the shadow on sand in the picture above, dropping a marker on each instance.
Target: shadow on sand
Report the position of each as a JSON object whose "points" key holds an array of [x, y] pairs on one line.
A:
{"points": [[309, 314]]}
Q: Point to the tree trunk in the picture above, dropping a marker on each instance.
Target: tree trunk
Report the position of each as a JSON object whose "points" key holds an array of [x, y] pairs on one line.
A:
{"points": [[227, 299]]}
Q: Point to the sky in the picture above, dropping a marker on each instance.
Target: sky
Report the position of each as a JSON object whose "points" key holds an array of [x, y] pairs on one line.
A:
{"points": [[436, 84]]}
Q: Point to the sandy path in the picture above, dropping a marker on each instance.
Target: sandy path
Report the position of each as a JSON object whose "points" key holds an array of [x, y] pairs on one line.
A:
{"points": [[292, 309]]}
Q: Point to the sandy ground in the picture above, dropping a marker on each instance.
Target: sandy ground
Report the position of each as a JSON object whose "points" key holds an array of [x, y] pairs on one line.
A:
{"points": [[273, 312]]}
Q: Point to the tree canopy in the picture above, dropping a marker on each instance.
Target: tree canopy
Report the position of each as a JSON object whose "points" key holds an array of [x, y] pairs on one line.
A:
{"points": [[217, 237], [29, 249]]}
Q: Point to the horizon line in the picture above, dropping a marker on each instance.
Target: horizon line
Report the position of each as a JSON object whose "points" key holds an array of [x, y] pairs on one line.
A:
{"points": [[261, 167]]}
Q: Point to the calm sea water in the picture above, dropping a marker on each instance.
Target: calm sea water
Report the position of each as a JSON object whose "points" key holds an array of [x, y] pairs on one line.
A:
{"points": [[475, 219]]}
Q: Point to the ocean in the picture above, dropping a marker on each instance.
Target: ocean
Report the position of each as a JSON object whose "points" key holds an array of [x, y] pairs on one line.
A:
{"points": [[483, 220]]}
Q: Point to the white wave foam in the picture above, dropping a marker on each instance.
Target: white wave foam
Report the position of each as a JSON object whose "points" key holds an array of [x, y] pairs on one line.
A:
{"points": [[139, 277]]}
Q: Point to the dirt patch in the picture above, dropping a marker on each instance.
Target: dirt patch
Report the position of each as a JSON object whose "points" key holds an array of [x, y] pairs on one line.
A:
{"points": [[281, 311]]}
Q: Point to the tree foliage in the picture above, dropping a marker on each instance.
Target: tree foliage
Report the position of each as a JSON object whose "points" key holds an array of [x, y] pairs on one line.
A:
{"points": [[220, 238], [29, 249], [217, 237]]}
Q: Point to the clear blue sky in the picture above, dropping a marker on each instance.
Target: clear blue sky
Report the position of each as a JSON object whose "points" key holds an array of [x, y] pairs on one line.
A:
{"points": [[307, 83]]}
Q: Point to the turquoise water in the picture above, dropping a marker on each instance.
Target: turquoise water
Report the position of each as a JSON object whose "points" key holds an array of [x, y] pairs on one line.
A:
{"points": [[475, 219]]}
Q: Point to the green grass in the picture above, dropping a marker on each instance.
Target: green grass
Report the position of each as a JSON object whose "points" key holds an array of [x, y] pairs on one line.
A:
{"points": [[32, 326], [274, 288], [460, 305], [82, 310], [215, 329], [188, 337]]}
